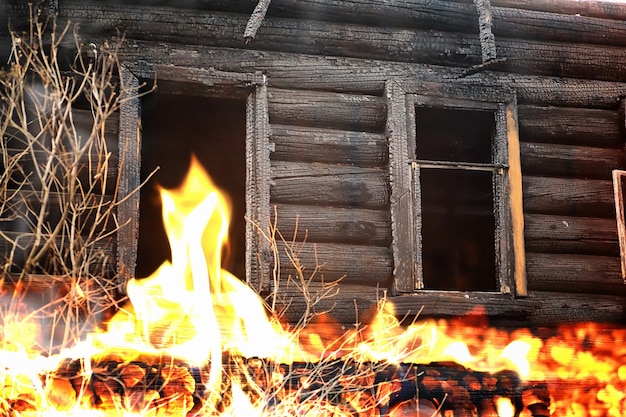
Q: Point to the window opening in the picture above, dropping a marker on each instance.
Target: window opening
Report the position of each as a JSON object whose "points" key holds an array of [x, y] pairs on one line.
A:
{"points": [[174, 127], [456, 174]]}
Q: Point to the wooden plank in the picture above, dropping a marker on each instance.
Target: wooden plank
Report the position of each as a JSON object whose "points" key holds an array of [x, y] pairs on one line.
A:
{"points": [[401, 199], [548, 160], [368, 265], [350, 40], [306, 144], [515, 199], [331, 185], [327, 110], [550, 19], [587, 273], [540, 308], [570, 125], [259, 259], [210, 81], [333, 224], [567, 234], [356, 304], [569, 197], [346, 304], [594, 8], [618, 195], [300, 71], [509, 17], [130, 178]]}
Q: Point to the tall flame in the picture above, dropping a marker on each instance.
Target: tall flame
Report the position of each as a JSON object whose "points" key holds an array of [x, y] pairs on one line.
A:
{"points": [[192, 308]]}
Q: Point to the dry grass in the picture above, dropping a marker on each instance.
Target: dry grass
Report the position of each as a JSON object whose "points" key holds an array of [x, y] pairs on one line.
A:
{"points": [[59, 176]]}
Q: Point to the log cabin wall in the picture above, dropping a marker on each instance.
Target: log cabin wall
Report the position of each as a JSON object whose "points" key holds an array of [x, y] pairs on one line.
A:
{"points": [[326, 64]]}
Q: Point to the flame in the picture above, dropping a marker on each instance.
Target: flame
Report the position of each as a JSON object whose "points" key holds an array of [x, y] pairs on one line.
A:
{"points": [[192, 307], [190, 312]]}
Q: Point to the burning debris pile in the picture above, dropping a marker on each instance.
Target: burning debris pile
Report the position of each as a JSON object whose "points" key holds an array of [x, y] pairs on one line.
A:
{"points": [[348, 388]]}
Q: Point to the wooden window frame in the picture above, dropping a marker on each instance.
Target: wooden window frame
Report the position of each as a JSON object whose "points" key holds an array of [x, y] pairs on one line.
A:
{"points": [[210, 83], [405, 188], [618, 195]]}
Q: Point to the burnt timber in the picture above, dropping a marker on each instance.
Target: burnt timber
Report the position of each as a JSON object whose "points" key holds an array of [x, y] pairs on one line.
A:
{"points": [[325, 65]]}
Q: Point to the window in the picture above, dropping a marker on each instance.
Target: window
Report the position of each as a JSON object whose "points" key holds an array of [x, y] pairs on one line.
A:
{"points": [[456, 191], [213, 91]]}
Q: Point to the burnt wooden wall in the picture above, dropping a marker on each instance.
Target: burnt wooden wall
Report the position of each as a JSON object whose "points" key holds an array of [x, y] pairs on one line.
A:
{"points": [[326, 64]]}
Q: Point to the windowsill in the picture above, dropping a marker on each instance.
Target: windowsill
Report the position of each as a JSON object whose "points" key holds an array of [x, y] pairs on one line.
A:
{"points": [[460, 303]]}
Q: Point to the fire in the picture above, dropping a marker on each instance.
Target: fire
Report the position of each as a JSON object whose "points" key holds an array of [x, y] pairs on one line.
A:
{"points": [[195, 340]]}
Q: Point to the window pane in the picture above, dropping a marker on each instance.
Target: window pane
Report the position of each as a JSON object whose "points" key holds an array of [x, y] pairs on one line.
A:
{"points": [[454, 135], [458, 250]]}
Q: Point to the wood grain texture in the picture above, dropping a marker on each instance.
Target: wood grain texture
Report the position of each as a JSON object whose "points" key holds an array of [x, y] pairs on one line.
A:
{"points": [[566, 234], [351, 40], [570, 126], [352, 112], [355, 264], [570, 197], [333, 224], [130, 166], [569, 161], [590, 274], [400, 181], [329, 185], [330, 146]]}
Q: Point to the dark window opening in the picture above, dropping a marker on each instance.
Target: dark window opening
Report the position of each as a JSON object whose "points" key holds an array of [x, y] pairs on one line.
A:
{"points": [[456, 172], [458, 230], [173, 128], [454, 135]]}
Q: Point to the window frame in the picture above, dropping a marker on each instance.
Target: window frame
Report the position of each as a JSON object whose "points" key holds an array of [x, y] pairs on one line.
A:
{"points": [[405, 185], [618, 176], [212, 83]]}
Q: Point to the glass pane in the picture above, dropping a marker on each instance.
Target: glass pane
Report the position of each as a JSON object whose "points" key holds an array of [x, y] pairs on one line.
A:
{"points": [[458, 224], [454, 135]]}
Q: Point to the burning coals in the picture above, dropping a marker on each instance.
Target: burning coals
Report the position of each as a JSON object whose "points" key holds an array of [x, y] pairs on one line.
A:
{"points": [[337, 387]]}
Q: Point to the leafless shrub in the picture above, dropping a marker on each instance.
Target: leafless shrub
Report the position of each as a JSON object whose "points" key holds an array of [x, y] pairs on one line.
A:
{"points": [[60, 173]]}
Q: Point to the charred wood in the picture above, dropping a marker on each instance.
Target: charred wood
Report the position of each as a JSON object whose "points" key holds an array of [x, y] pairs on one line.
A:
{"points": [[330, 146], [569, 161], [334, 185], [568, 197], [570, 126], [300, 71], [327, 110], [352, 264], [590, 274], [568, 234], [357, 41], [333, 224]]}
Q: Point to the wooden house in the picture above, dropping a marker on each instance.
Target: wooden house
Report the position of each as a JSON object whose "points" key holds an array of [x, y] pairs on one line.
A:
{"points": [[448, 155]]}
